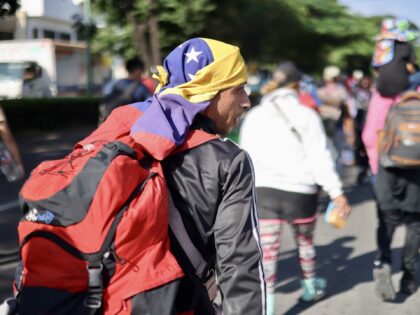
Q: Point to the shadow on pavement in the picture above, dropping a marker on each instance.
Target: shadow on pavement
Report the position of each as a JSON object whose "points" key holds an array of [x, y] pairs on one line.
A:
{"points": [[333, 263]]}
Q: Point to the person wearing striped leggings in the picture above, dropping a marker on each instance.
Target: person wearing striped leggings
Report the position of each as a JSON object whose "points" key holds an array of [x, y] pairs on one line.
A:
{"points": [[288, 147]]}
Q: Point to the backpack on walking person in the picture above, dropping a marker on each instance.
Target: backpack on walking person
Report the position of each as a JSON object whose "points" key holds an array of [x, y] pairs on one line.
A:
{"points": [[94, 231], [399, 140], [121, 94]]}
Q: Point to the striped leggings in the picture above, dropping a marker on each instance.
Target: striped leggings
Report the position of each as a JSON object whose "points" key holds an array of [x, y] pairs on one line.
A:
{"points": [[271, 231]]}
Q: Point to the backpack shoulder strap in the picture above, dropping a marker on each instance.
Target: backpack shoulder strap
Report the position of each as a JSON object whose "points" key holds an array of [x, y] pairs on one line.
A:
{"points": [[192, 262], [410, 95], [177, 226], [286, 119], [130, 89], [196, 268]]}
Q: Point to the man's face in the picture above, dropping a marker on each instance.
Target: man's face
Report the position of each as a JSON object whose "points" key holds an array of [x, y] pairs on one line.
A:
{"points": [[28, 74], [227, 107]]}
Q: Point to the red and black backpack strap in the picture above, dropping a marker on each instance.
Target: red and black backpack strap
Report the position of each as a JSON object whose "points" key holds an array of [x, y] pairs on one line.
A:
{"points": [[183, 248]]}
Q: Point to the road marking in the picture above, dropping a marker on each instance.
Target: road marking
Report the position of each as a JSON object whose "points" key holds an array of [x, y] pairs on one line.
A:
{"points": [[9, 205]]}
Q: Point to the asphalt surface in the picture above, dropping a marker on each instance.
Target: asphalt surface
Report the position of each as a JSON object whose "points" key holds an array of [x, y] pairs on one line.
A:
{"points": [[344, 256], [344, 259]]}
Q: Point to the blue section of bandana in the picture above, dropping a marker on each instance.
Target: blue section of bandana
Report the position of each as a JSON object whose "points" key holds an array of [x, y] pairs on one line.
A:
{"points": [[185, 60]]}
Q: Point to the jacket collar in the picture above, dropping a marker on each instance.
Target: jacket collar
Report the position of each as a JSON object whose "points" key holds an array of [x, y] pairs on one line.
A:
{"points": [[203, 123]]}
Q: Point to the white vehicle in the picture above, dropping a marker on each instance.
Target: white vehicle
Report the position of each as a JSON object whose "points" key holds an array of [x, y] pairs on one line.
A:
{"points": [[60, 68], [24, 79]]}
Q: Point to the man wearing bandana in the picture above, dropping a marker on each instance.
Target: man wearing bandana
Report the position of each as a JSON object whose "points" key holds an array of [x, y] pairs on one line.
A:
{"points": [[212, 185]]}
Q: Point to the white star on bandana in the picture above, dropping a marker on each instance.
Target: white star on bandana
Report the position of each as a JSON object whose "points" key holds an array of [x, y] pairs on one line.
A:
{"points": [[192, 55]]}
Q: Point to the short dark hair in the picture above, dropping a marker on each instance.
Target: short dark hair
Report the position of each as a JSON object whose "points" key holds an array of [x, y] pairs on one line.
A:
{"points": [[30, 67], [134, 64], [287, 73]]}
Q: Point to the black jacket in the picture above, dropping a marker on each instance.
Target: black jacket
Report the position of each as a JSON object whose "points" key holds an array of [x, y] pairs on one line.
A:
{"points": [[213, 187]]}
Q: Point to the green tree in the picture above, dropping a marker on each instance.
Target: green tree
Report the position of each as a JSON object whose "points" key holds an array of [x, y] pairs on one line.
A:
{"points": [[153, 26], [8, 7], [85, 30], [357, 53], [313, 33]]}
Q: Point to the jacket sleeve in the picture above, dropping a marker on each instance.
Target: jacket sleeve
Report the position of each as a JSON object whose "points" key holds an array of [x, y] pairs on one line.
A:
{"points": [[320, 159], [239, 257]]}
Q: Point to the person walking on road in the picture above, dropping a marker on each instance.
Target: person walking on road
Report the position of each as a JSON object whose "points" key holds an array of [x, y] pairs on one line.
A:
{"points": [[213, 185], [288, 147], [201, 95], [126, 91], [396, 190], [337, 112], [201, 88], [10, 145]]}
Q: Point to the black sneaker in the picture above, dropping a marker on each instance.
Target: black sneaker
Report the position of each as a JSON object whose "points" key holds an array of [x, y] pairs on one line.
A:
{"points": [[408, 285], [383, 284]]}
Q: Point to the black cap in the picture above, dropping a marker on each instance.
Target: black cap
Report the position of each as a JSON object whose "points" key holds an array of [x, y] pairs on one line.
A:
{"points": [[287, 73]]}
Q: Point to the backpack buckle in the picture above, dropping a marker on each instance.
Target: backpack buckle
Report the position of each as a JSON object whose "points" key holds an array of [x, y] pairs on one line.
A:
{"points": [[93, 301], [95, 276], [95, 286]]}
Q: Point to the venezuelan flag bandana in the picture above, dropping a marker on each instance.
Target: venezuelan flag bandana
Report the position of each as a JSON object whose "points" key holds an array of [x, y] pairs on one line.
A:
{"points": [[192, 75]]}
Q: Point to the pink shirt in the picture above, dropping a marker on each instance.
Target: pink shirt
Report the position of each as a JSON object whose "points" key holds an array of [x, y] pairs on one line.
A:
{"points": [[375, 121]]}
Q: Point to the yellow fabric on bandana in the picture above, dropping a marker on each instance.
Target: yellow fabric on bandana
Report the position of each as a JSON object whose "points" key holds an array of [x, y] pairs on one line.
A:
{"points": [[227, 70]]}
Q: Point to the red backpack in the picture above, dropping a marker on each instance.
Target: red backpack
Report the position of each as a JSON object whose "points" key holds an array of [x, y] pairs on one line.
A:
{"points": [[95, 227]]}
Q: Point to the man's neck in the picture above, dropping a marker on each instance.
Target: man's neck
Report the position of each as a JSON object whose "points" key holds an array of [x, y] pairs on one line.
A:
{"points": [[205, 123]]}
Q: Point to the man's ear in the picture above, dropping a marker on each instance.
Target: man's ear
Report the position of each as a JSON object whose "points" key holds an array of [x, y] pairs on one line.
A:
{"points": [[211, 110]]}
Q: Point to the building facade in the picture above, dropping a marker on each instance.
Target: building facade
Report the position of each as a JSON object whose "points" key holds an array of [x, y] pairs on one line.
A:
{"points": [[35, 19]]}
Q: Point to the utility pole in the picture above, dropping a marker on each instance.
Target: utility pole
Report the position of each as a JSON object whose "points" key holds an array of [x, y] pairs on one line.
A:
{"points": [[88, 29]]}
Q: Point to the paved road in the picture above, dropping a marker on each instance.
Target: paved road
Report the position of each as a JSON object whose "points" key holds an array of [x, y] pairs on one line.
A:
{"points": [[344, 256], [344, 259]]}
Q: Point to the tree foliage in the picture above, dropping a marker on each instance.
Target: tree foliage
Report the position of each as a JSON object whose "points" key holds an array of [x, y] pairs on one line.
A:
{"points": [[175, 20], [85, 29], [313, 33], [8, 7]]}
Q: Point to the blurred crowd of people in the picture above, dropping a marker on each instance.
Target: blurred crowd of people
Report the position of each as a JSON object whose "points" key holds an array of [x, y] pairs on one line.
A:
{"points": [[341, 100], [302, 134]]}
